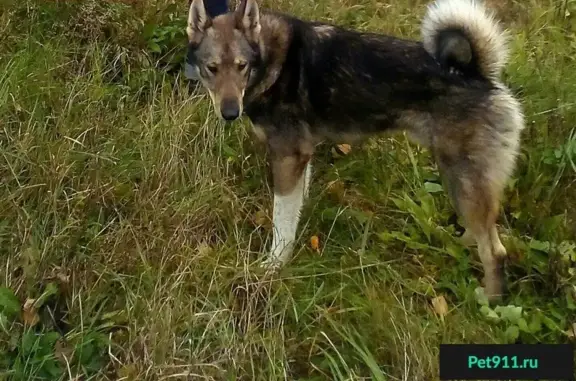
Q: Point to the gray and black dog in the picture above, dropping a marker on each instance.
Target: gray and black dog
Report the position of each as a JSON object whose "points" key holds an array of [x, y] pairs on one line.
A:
{"points": [[301, 83]]}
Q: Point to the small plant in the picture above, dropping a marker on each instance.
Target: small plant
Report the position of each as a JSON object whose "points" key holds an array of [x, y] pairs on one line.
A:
{"points": [[166, 38], [31, 348], [116, 171]]}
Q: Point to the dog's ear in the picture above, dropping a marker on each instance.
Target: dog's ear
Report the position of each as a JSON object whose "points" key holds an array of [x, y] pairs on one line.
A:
{"points": [[248, 19], [198, 20]]}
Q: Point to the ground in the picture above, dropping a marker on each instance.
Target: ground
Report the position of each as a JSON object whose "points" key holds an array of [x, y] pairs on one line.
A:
{"points": [[132, 220]]}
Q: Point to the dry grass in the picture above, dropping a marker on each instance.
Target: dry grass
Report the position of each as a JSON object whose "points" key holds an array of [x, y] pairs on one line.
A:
{"points": [[121, 189]]}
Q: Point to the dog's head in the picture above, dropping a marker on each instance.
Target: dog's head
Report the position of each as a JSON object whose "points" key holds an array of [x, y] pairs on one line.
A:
{"points": [[224, 50]]}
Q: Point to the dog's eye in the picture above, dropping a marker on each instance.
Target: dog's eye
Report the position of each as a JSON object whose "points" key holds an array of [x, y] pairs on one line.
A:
{"points": [[212, 69], [242, 66]]}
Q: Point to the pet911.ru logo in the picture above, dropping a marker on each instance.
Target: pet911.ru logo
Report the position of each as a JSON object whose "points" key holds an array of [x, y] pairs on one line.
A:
{"points": [[502, 362]]}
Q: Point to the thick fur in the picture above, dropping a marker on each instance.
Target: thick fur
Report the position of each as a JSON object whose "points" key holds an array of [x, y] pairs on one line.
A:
{"points": [[488, 42], [308, 82]]}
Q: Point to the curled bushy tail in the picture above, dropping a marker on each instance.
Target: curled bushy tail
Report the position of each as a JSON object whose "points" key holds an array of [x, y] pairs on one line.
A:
{"points": [[464, 35]]}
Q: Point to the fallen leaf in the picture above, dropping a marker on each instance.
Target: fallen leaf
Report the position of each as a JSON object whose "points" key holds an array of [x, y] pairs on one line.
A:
{"points": [[30, 313], [341, 150], [440, 306], [344, 148], [261, 219], [63, 352], [315, 243]]}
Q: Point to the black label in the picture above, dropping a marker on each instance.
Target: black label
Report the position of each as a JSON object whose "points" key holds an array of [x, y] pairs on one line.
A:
{"points": [[509, 362]]}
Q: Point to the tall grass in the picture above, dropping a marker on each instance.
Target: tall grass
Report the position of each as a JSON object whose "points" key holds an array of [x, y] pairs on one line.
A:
{"points": [[135, 219]]}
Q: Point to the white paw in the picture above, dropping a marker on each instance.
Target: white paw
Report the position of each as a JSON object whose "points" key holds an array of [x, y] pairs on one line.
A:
{"points": [[277, 258], [271, 264]]}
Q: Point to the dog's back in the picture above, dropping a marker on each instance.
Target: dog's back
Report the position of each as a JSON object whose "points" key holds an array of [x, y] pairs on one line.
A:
{"points": [[350, 82], [343, 83]]}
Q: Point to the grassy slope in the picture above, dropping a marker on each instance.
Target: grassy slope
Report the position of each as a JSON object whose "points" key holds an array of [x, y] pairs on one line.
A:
{"points": [[136, 219]]}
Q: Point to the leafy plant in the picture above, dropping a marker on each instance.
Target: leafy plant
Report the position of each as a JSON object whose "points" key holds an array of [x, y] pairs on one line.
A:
{"points": [[166, 38]]}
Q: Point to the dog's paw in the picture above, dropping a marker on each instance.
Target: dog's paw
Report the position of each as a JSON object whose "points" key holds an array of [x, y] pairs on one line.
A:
{"points": [[271, 264], [277, 257], [495, 285], [494, 298]]}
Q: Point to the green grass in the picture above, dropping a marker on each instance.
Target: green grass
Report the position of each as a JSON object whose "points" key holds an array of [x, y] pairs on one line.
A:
{"points": [[135, 219]]}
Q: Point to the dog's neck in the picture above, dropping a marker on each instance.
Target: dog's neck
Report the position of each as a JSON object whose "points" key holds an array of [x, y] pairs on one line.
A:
{"points": [[273, 43]]}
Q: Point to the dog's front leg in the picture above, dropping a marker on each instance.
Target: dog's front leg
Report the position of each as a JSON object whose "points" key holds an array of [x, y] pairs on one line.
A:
{"points": [[291, 178]]}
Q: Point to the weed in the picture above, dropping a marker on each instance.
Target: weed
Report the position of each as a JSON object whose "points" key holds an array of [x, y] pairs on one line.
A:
{"points": [[132, 219]]}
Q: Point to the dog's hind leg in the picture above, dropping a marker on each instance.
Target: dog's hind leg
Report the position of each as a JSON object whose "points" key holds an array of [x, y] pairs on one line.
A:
{"points": [[291, 177], [477, 199]]}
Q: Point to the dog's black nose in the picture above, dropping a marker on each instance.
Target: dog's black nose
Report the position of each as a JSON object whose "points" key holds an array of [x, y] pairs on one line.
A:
{"points": [[230, 109]]}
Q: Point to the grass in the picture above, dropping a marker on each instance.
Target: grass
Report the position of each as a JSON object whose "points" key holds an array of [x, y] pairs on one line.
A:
{"points": [[132, 220]]}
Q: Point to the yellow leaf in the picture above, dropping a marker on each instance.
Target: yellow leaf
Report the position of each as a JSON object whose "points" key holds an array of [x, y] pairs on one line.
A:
{"points": [[440, 306], [344, 148], [261, 219], [30, 313], [315, 243], [341, 150]]}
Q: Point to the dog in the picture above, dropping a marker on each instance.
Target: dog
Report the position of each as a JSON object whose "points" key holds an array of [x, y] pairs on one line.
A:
{"points": [[302, 83]]}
